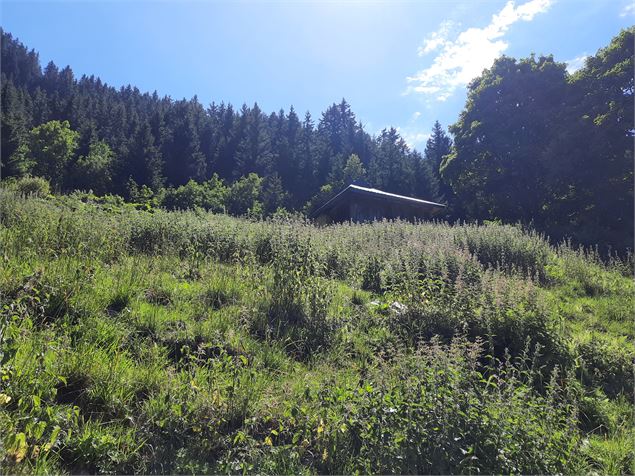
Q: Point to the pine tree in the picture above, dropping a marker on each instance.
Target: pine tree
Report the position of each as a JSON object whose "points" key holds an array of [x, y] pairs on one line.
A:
{"points": [[227, 130], [273, 194], [438, 146], [254, 150], [305, 183], [427, 182], [20, 66], [14, 123], [336, 138], [281, 152], [351, 171], [291, 171], [392, 167], [144, 163], [182, 149]]}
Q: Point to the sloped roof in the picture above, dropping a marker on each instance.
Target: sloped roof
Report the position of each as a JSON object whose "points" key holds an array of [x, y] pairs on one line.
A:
{"points": [[373, 192]]}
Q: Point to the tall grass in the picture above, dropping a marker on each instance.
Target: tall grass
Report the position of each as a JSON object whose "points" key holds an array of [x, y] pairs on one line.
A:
{"points": [[173, 342]]}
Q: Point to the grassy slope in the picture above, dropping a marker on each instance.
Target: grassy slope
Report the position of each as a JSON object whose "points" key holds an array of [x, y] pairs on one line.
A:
{"points": [[181, 342]]}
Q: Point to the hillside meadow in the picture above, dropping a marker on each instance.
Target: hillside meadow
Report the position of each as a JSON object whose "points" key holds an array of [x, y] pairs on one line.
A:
{"points": [[148, 341]]}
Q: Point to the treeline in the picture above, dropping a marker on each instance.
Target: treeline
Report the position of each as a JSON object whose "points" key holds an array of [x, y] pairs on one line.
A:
{"points": [[534, 144], [117, 138]]}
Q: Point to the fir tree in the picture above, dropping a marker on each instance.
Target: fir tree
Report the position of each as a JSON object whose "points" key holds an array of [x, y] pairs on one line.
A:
{"points": [[438, 146], [144, 164], [254, 150]]}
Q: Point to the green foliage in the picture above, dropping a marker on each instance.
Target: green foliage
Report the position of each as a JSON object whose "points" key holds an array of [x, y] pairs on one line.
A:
{"points": [[27, 185], [432, 421], [605, 366], [497, 167], [209, 195], [536, 145], [243, 196], [300, 298], [142, 195], [510, 247], [392, 168], [273, 194], [600, 200], [352, 171], [437, 147], [140, 340], [254, 153], [145, 165], [15, 126], [51, 147], [326, 193], [533, 145], [94, 171], [371, 277]]}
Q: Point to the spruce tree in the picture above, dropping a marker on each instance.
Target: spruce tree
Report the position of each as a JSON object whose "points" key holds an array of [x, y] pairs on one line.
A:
{"points": [[14, 131], [438, 146], [254, 150], [145, 164], [392, 167]]}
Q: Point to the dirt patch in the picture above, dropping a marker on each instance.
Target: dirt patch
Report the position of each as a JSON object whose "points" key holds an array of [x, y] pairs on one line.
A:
{"points": [[197, 350], [73, 391], [158, 296]]}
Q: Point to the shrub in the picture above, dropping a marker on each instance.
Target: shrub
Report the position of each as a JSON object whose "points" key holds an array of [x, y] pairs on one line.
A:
{"points": [[506, 312], [430, 412], [243, 195], [209, 195], [35, 186], [507, 247], [300, 296], [371, 276], [607, 367]]}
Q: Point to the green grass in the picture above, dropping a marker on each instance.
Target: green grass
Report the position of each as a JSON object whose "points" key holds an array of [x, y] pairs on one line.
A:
{"points": [[181, 342]]}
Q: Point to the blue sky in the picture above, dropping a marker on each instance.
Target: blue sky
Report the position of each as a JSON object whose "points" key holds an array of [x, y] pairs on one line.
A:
{"points": [[401, 64]]}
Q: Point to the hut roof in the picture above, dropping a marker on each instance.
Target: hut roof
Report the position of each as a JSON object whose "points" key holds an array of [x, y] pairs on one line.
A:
{"points": [[375, 193]]}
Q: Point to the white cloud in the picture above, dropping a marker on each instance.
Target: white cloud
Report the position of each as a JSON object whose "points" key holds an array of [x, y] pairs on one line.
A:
{"points": [[412, 137], [628, 10], [576, 63], [437, 39], [415, 116], [464, 58]]}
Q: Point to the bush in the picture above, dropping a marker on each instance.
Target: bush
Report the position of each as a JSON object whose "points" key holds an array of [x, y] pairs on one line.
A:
{"points": [[210, 195], [371, 276], [431, 412], [243, 195], [505, 311], [35, 186], [300, 296], [507, 247], [607, 367]]}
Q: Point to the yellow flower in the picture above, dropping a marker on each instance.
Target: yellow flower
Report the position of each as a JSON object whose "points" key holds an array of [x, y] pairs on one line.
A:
{"points": [[320, 428], [4, 398]]}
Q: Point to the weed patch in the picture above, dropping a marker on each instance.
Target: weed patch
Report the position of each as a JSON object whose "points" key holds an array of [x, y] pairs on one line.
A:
{"points": [[187, 342]]}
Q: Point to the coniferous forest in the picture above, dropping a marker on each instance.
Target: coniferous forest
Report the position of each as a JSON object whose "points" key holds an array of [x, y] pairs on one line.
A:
{"points": [[533, 145]]}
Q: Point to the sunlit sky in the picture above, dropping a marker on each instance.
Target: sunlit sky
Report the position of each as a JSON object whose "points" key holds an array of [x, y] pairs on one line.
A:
{"points": [[401, 64]]}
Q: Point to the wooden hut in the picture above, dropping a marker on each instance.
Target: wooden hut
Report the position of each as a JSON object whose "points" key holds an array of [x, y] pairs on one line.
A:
{"points": [[360, 204]]}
